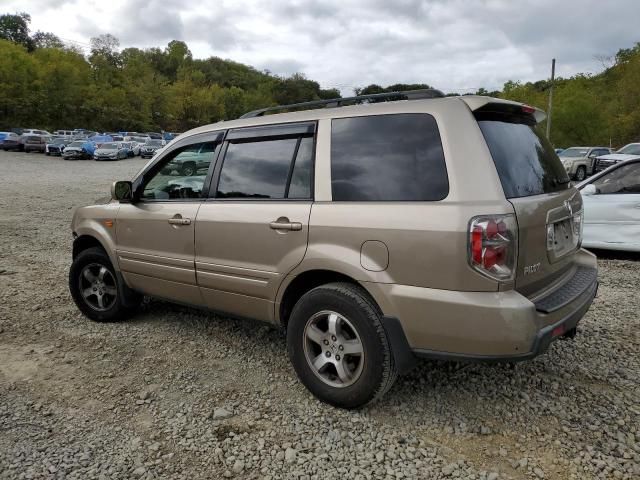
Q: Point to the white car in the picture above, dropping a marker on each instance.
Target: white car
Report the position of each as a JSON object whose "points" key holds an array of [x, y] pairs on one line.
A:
{"points": [[612, 208]]}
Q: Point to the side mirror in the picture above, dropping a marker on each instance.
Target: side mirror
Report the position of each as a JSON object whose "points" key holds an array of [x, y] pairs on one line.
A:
{"points": [[589, 189], [122, 191]]}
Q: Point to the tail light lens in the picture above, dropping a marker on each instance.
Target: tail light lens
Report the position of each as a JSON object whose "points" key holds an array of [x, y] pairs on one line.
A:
{"points": [[493, 241]]}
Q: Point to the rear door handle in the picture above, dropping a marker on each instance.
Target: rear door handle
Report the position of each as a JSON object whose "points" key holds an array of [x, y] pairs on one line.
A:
{"points": [[280, 225], [178, 220]]}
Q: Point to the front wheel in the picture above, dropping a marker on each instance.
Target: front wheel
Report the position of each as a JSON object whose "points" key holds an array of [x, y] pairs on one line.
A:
{"points": [[581, 173], [96, 290], [188, 169], [338, 346]]}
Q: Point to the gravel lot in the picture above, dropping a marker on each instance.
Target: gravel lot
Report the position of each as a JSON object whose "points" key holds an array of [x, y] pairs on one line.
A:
{"points": [[181, 394]]}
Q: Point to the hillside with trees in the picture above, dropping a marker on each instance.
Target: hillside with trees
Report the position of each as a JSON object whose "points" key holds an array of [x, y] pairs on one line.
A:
{"points": [[48, 84]]}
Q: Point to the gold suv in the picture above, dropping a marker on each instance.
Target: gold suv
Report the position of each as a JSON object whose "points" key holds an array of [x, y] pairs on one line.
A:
{"points": [[401, 226]]}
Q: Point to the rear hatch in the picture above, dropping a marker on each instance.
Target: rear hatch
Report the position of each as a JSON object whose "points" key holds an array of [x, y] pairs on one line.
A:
{"points": [[548, 209]]}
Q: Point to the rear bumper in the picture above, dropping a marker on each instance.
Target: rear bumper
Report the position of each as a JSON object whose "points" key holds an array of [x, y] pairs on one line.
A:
{"points": [[488, 326]]}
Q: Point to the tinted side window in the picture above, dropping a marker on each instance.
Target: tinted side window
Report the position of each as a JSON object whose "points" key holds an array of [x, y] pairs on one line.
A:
{"points": [[257, 169], [387, 158]]}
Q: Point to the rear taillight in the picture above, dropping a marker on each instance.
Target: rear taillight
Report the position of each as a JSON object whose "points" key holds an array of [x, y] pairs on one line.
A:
{"points": [[493, 240]]}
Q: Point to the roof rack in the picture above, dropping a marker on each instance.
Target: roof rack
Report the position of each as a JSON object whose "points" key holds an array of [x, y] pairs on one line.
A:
{"points": [[338, 102]]}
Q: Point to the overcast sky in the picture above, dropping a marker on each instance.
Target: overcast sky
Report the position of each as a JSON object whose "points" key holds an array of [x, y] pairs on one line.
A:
{"points": [[454, 45]]}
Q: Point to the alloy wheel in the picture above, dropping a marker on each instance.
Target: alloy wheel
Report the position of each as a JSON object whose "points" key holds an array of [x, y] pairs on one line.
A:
{"points": [[98, 287], [333, 349]]}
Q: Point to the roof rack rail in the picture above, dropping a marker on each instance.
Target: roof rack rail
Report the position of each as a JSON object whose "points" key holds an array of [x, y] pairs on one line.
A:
{"points": [[338, 102]]}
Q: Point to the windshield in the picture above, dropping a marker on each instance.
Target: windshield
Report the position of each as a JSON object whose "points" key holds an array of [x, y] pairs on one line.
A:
{"points": [[631, 149], [77, 144], [525, 160], [109, 146], [574, 152], [154, 143]]}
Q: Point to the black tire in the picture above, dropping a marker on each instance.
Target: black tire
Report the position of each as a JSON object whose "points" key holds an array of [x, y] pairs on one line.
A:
{"points": [[124, 301], [581, 173], [378, 372], [188, 169]]}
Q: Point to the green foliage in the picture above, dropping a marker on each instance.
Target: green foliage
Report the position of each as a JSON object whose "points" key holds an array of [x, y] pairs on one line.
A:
{"points": [[45, 84], [15, 28], [597, 109]]}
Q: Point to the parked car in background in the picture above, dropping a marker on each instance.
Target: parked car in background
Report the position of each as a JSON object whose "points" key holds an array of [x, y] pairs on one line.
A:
{"points": [[133, 148], [579, 162], [79, 150], [100, 139], [628, 152], [154, 135], [149, 149], [110, 151], [35, 131], [56, 146], [12, 141], [612, 208], [35, 143], [64, 133], [191, 161]]}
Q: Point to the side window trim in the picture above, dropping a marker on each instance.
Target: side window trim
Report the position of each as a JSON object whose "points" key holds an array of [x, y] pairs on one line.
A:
{"points": [[309, 132], [142, 178], [292, 165]]}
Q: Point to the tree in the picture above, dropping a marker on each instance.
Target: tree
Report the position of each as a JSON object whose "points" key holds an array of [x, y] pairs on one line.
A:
{"points": [[46, 40], [15, 28]]}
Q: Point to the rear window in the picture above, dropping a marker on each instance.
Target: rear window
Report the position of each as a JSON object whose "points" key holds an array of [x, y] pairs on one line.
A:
{"points": [[387, 158], [526, 162]]}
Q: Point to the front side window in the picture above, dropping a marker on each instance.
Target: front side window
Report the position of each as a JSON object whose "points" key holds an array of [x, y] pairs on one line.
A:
{"points": [[623, 180], [387, 158], [265, 168], [182, 174]]}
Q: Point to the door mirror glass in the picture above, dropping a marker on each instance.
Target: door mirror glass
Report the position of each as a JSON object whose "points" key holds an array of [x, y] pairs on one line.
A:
{"points": [[589, 190], [121, 190]]}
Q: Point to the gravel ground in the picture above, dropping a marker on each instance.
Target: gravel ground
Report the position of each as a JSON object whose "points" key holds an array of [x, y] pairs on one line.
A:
{"points": [[181, 394]]}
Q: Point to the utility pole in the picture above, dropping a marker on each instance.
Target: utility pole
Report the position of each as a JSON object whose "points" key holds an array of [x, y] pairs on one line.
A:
{"points": [[553, 76]]}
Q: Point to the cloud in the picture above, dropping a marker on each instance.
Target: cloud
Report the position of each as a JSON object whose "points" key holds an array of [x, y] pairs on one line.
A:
{"points": [[455, 45]]}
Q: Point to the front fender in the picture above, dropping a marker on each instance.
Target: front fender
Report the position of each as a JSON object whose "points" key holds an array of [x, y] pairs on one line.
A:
{"points": [[99, 222]]}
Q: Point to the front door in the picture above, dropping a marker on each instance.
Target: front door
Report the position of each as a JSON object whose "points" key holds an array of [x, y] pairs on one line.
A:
{"points": [[255, 228], [155, 233]]}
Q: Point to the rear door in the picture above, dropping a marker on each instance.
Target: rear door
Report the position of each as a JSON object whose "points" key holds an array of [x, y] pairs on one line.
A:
{"points": [[537, 185], [612, 213], [254, 228]]}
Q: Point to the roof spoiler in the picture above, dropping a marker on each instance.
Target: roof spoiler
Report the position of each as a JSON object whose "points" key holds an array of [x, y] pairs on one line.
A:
{"points": [[498, 105]]}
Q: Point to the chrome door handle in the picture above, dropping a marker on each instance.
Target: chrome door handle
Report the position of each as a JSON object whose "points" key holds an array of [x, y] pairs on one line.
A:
{"points": [[292, 226], [179, 221]]}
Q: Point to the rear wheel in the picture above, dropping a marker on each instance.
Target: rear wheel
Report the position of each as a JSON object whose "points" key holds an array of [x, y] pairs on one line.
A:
{"points": [[96, 288], [338, 346], [581, 173]]}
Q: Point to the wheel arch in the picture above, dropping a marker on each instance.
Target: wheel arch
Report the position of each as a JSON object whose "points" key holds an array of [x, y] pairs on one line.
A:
{"points": [[295, 286]]}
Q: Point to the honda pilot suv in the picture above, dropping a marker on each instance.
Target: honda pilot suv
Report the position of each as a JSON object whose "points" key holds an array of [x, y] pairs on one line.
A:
{"points": [[374, 234]]}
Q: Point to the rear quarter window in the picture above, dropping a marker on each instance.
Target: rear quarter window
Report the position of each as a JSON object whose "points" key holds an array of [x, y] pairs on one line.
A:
{"points": [[387, 158]]}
